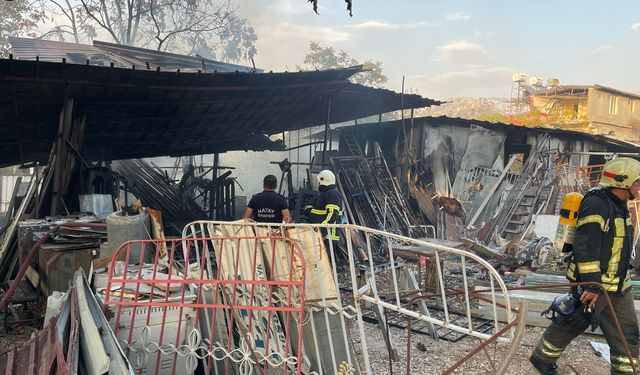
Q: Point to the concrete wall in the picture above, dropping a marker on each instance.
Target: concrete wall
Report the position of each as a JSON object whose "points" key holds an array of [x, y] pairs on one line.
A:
{"points": [[614, 114]]}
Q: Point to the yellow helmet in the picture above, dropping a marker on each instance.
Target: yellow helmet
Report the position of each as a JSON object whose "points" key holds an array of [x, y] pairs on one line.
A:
{"points": [[620, 173]]}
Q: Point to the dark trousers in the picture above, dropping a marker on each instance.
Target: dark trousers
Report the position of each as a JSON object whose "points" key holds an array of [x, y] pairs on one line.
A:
{"points": [[560, 333]]}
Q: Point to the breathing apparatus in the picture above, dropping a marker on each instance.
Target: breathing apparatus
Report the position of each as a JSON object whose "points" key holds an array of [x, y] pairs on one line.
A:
{"points": [[566, 229], [569, 308], [563, 306]]}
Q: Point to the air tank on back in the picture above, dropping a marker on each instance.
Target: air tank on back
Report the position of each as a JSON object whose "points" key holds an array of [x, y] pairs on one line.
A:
{"points": [[566, 229]]}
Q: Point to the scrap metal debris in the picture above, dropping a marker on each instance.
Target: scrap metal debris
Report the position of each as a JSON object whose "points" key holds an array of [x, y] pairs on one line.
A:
{"points": [[154, 189]]}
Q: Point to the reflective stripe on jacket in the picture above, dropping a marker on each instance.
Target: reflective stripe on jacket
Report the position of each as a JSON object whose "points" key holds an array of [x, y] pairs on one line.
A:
{"points": [[326, 210], [602, 245]]}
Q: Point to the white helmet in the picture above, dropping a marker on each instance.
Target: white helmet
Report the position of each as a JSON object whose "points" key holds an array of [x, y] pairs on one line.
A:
{"points": [[326, 178]]}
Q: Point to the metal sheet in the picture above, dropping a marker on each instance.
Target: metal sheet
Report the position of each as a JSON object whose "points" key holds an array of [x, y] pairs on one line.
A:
{"points": [[483, 148], [99, 347], [100, 205], [443, 150], [42, 354]]}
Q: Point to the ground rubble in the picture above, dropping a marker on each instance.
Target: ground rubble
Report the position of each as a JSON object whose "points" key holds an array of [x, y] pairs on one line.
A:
{"points": [[579, 358]]}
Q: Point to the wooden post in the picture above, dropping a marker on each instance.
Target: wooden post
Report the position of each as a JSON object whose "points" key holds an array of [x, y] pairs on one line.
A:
{"points": [[326, 131]]}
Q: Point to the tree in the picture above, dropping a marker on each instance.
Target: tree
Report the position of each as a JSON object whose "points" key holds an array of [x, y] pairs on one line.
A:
{"points": [[322, 58], [209, 28], [20, 18]]}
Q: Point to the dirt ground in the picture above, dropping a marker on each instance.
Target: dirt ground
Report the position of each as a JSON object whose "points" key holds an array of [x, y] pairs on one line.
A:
{"points": [[436, 357], [431, 357], [16, 335], [14, 338]]}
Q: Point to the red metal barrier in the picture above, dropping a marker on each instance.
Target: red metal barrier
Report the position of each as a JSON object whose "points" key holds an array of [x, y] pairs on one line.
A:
{"points": [[589, 174], [238, 307]]}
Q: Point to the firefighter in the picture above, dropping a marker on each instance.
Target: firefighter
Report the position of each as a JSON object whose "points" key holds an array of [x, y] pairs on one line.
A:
{"points": [[601, 253], [326, 207], [268, 206]]}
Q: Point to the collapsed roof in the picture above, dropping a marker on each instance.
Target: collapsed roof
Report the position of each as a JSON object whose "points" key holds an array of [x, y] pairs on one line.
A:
{"points": [[610, 144], [144, 112]]}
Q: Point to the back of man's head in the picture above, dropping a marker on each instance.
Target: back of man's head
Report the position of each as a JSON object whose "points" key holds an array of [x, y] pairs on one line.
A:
{"points": [[270, 182]]}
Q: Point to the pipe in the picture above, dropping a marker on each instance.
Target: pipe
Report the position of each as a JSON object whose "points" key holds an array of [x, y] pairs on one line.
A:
{"points": [[604, 293], [481, 346], [326, 130], [533, 287]]}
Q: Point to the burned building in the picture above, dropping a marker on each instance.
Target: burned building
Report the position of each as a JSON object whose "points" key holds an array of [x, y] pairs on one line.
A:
{"points": [[478, 179], [430, 201]]}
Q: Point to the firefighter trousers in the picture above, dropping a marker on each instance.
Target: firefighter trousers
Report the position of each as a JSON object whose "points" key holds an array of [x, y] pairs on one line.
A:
{"points": [[560, 333]]}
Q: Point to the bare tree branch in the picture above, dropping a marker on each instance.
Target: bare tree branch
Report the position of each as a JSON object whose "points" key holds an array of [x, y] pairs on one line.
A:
{"points": [[207, 27], [102, 24], [136, 24]]}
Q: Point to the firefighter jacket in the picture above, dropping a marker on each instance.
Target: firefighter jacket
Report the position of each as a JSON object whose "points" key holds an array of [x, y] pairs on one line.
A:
{"points": [[602, 244], [326, 209]]}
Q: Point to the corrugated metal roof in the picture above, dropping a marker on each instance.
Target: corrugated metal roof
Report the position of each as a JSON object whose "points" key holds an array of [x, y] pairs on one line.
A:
{"points": [[618, 92], [134, 113], [613, 145], [562, 90], [105, 54]]}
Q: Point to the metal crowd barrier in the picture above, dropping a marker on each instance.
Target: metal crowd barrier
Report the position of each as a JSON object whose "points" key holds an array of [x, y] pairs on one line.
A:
{"points": [[372, 278], [226, 304]]}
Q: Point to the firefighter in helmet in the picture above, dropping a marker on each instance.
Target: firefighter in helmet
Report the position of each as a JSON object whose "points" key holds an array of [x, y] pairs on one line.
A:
{"points": [[326, 206], [602, 253]]}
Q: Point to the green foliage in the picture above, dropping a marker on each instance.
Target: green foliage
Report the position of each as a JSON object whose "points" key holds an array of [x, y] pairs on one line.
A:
{"points": [[323, 58], [17, 18]]}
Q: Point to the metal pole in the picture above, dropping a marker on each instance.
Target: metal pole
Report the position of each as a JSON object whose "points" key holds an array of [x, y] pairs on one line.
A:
{"points": [[298, 159], [604, 294], [384, 217], [310, 149], [326, 131]]}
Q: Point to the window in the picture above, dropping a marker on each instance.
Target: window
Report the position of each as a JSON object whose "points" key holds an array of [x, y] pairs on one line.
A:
{"points": [[613, 105], [633, 105]]}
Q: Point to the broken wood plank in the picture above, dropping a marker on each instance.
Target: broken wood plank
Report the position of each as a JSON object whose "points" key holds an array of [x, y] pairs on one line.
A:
{"points": [[64, 128], [8, 236]]}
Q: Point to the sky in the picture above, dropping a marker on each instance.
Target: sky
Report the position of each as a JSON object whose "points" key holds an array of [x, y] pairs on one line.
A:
{"points": [[460, 48]]}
